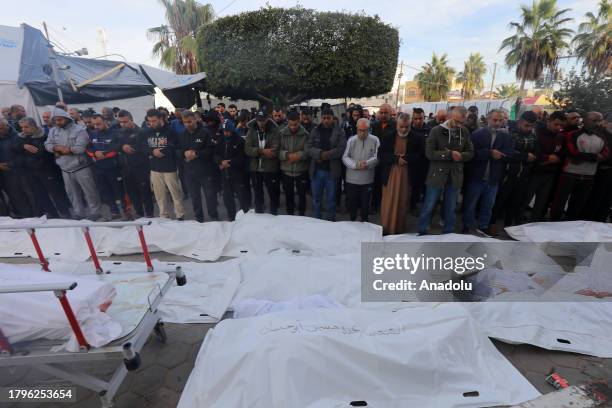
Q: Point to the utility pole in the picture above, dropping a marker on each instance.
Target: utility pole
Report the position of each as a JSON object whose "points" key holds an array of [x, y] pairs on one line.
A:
{"points": [[399, 82], [493, 81], [103, 41], [53, 62]]}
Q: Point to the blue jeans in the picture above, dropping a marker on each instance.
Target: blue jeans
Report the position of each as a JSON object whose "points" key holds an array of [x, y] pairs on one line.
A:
{"points": [[323, 180], [485, 192], [432, 194]]}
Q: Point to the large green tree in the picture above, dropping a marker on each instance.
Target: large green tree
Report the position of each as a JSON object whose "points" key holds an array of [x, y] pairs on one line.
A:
{"points": [[435, 78], [175, 44], [593, 44], [585, 91], [538, 41], [471, 78], [285, 56], [506, 91]]}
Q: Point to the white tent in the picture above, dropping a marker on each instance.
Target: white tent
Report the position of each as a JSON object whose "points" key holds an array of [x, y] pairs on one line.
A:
{"points": [[11, 44]]}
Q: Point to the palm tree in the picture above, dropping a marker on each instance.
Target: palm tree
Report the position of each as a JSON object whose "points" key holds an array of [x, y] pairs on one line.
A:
{"points": [[538, 41], [435, 78], [593, 44], [175, 41], [507, 91], [471, 76]]}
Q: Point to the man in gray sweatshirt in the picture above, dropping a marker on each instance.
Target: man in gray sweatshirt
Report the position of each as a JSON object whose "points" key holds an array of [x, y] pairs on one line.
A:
{"points": [[68, 141], [360, 159]]}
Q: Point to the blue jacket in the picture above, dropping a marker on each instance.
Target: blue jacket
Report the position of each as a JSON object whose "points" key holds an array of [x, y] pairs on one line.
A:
{"points": [[105, 142], [475, 169]]}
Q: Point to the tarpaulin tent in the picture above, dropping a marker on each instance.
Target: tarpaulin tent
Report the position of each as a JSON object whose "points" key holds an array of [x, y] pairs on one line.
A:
{"points": [[182, 90], [27, 77]]}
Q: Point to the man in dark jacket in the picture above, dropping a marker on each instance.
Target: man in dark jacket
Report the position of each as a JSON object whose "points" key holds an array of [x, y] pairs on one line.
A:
{"points": [[294, 162], [325, 146], [439, 119], [262, 144], [306, 119], [417, 169], [547, 166], [513, 188], [447, 148], [492, 148], [350, 125], [383, 128], [196, 149], [229, 157], [278, 116], [42, 174], [107, 172], [11, 179], [133, 156], [162, 161]]}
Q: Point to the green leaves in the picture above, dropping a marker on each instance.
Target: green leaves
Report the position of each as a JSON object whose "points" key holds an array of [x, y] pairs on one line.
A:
{"points": [[472, 75], [290, 55], [538, 41], [586, 92], [435, 78], [176, 45], [507, 91], [593, 44]]}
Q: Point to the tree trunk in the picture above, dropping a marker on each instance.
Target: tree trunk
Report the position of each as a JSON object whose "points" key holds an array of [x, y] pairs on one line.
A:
{"points": [[522, 87]]}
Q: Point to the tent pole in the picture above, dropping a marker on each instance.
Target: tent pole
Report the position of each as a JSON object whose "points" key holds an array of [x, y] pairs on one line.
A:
{"points": [[53, 65]]}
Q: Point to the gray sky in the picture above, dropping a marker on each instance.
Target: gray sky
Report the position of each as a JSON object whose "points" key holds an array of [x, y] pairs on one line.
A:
{"points": [[456, 27]]}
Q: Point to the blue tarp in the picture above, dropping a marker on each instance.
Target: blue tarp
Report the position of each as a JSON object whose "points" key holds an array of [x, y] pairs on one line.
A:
{"points": [[36, 74]]}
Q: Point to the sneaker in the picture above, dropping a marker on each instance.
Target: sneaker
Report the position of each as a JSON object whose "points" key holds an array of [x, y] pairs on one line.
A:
{"points": [[180, 219], [96, 218], [115, 216], [422, 233], [484, 232]]}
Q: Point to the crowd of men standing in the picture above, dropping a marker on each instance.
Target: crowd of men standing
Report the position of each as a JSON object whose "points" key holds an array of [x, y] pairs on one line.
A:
{"points": [[396, 164]]}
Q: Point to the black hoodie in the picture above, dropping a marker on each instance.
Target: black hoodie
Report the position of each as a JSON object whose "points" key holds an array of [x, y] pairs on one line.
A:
{"points": [[164, 139], [137, 140]]}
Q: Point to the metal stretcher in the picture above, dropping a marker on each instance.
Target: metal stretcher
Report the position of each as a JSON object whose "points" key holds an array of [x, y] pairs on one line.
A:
{"points": [[38, 354]]}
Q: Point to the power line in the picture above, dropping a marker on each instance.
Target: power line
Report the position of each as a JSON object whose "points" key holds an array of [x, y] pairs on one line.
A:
{"points": [[60, 33], [224, 8], [57, 44]]}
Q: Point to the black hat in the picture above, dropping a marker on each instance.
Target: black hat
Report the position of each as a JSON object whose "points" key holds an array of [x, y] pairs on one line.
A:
{"points": [[261, 115]]}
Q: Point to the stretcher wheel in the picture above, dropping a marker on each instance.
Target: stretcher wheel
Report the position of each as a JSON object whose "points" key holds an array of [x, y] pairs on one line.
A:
{"points": [[132, 363], [181, 280], [160, 332]]}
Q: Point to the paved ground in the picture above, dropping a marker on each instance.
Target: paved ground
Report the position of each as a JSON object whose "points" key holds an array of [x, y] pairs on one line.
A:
{"points": [[166, 367]]}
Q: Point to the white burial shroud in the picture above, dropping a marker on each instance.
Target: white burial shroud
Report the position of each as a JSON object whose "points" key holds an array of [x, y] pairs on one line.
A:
{"points": [[260, 234], [568, 231], [204, 242], [579, 324], [425, 357], [39, 315]]}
